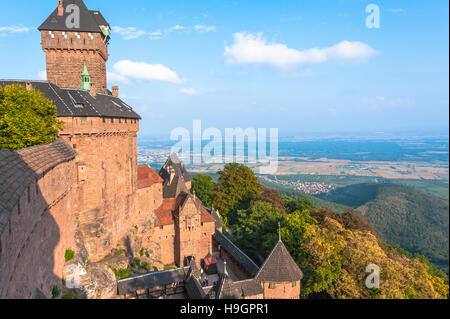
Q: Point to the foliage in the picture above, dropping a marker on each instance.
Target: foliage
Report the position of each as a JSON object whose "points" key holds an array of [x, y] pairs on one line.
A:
{"points": [[256, 228], [299, 204], [236, 187], [69, 255], [333, 250], [405, 217], [72, 295], [203, 186], [56, 292], [27, 118], [272, 197], [122, 273]]}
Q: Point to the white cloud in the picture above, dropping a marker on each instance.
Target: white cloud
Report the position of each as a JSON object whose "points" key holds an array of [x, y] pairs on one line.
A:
{"points": [[42, 75], [129, 33], [126, 69], [204, 28], [13, 29], [117, 78], [251, 48], [189, 91], [176, 28]]}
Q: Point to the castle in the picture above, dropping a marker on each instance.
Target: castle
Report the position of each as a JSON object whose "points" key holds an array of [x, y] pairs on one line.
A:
{"points": [[85, 192]]}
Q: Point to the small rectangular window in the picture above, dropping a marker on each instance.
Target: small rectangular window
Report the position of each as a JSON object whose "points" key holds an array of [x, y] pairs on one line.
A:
{"points": [[272, 285], [104, 120], [294, 284], [112, 121], [74, 146]]}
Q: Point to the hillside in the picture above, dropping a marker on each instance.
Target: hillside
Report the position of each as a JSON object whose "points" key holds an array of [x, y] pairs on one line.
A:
{"points": [[403, 216]]}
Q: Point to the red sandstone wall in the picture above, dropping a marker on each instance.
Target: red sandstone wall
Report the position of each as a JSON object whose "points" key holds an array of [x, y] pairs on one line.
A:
{"points": [[148, 200], [41, 229], [66, 58], [165, 237], [107, 172], [282, 291]]}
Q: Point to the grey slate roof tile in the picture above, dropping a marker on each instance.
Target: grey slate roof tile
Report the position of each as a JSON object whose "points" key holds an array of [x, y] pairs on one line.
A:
{"points": [[88, 21], [279, 267], [102, 105]]}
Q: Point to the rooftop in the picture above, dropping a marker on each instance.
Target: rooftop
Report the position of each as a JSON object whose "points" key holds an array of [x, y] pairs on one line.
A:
{"points": [[147, 177], [79, 103], [90, 21], [279, 267]]}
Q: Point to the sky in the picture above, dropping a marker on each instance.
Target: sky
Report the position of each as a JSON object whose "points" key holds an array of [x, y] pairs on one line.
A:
{"points": [[299, 66]]}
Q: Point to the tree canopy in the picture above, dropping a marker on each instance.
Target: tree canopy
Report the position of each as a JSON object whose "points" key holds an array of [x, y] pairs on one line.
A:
{"points": [[236, 187], [203, 186], [27, 118]]}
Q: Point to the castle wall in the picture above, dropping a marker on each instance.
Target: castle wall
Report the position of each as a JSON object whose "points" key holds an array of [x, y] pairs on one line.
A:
{"points": [[148, 200], [107, 172], [281, 290], [165, 237], [40, 229], [66, 55]]}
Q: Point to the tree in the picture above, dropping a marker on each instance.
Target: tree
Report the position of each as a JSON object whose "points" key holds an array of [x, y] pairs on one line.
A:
{"points": [[236, 187], [299, 204], [204, 188], [27, 118], [256, 230]]}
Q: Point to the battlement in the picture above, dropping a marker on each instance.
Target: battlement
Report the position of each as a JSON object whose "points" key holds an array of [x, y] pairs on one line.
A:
{"points": [[75, 41]]}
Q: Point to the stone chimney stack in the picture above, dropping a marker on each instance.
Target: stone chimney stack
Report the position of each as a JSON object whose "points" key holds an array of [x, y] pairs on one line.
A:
{"points": [[115, 91], [60, 8], [93, 90], [28, 86]]}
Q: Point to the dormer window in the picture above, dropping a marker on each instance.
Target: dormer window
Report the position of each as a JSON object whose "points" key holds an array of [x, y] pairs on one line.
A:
{"points": [[79, 105]]}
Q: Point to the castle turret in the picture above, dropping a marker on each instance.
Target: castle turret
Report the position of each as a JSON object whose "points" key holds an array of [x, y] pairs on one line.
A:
{"points": [[73, 36], [280, 276]]}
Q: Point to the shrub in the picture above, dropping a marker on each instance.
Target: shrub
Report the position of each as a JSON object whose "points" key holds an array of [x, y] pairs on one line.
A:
{"points": [[69, 255], [27, 118], [56, 292]]}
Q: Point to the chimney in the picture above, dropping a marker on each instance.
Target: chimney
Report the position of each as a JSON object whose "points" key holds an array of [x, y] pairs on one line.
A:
{"points": [[115, 91], [60, 8], [28, 86], [92, 90]]}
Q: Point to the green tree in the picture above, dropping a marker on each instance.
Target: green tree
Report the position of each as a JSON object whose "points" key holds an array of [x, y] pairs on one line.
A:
{"points": [[27, 118], [236, 187], [299, 204], [256, 230], [203, 186]]}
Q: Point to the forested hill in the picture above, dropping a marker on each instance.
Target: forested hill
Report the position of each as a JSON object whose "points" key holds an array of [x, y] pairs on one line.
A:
{"points": [[403, 216]]}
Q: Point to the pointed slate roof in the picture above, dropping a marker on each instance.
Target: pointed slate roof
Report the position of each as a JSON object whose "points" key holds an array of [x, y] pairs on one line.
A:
{"points": [[174, 162], [90, 21], [279, 267]]}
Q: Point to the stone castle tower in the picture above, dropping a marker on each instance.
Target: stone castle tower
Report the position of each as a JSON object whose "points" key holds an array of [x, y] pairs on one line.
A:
{"points": [[73, 36]]}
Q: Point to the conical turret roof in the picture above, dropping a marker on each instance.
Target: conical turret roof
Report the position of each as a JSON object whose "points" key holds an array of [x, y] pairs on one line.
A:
{"points": [[279, 267]]}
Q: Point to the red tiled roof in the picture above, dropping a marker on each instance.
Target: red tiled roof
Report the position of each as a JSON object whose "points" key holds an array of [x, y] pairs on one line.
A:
{"points": [[147, 177], [164, 212], [206, 217]]}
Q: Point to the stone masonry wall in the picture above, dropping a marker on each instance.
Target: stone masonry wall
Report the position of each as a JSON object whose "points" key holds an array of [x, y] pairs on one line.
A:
{"points": [[282, 290], [67, 54], [40, 229]]}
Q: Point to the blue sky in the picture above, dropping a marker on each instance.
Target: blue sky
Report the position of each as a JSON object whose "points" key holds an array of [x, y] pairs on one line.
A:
{"points": [[300, 66]]}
